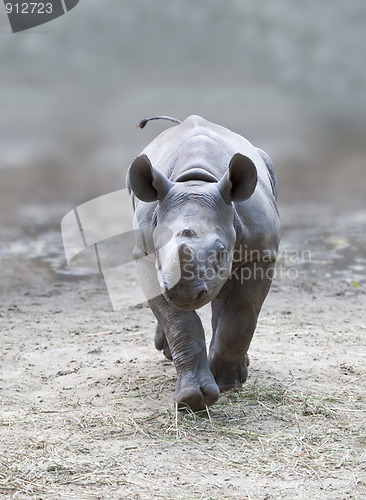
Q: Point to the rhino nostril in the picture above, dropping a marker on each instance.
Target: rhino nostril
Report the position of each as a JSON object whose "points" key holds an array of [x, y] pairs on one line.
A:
{"points": [[201, 295]]}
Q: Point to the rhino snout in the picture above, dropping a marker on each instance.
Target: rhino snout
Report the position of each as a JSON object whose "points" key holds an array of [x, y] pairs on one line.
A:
{"points": [[187, 298]]}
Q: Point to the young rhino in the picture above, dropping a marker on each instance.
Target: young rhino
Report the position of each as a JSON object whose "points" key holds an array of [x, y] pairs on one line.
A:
{"points": [[204, 203]]}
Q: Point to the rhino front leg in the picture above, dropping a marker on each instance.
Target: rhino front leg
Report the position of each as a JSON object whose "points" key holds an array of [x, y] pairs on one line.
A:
{"points": [[234, 319], [196, 387]]}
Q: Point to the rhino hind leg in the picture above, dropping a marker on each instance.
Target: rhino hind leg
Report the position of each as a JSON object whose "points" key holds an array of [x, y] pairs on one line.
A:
{"points": [[161, 343]]}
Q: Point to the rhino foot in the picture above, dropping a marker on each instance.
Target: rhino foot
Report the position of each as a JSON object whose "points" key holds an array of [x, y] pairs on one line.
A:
{"points": [[161, 343], [229, 375], [197, 395]]}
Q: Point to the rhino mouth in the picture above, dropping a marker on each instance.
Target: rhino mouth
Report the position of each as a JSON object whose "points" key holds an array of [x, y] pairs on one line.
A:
{"points": [[188, 300], [185, 306]]}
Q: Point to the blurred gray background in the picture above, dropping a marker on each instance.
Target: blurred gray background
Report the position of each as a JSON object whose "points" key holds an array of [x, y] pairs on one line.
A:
{"points": [[288, 76]]}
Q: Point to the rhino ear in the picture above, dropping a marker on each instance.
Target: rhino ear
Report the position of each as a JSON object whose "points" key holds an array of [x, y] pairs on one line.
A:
{"points": [[240, 180], [147, 183]]}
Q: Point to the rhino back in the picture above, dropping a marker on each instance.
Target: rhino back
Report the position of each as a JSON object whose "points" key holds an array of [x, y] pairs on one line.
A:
{"points": [[197, 142]]}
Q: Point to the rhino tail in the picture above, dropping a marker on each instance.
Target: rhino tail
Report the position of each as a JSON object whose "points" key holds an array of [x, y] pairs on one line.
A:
{"points": [[145, 120]]}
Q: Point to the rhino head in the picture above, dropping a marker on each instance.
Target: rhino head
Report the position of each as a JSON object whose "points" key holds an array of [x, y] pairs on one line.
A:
{"points": [[194, 235]]}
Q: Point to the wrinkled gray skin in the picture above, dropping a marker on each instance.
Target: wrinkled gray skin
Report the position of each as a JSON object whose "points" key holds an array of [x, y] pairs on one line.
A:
{"points": [[213, 195]]}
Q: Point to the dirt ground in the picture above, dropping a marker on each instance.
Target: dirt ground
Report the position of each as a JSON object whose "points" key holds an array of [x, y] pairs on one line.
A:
{"points": [[86, 402], [86, 408]]}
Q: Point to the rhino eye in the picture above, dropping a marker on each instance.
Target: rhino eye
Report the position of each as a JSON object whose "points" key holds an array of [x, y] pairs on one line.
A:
{"points": [[187, 233], [222, 256]]}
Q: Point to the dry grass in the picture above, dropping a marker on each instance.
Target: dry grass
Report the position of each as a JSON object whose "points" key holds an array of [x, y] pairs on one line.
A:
{"points": [[268, 430]]}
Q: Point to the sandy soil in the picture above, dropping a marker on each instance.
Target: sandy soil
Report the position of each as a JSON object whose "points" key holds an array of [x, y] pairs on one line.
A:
{"points": [[86, 409], [86, 401]]}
